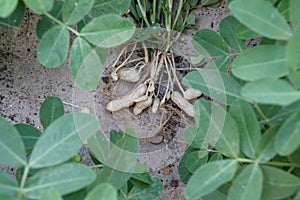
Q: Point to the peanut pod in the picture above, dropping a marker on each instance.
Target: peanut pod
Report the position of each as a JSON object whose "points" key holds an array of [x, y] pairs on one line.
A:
{"points": [[155, 104], [183, 104], [129, 74], [126, 100], [140, 106], [191, 93]]}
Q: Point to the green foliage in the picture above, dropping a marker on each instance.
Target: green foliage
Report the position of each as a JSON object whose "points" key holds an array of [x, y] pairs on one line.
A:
{"points": [[49, 172], [261, 107]]}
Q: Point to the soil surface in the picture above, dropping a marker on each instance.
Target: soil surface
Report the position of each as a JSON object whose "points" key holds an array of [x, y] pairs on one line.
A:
{"points": [[21, 76]]}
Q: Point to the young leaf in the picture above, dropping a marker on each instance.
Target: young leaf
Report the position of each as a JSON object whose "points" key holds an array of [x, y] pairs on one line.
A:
{"points": [[294, 13], [29, 135], [51, 194], [292, 48], [86, 64], [248, 184], [39, 7], [142, 191], [209, 177], [14, 19], [7, 7], [265, 147], [217, 85], [263, 19], [54, 46], [108, 31], [209, 43], [117, 7], [74, 10], [8, 185], [64, 178], [288, 137], [248, 126], [65, 135], [12, 150], [228, 30], [195, 160], [102, 192], [51, 109], [266, 61], [271, 91], [278, 184]]}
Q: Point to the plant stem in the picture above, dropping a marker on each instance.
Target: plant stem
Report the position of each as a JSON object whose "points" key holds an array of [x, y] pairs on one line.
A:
{"points": [[272, 163], [24, 177], [96, 166], [178, 13], [61, 23], [261, 113], [154, 12], [245, 160], [143, 11]]}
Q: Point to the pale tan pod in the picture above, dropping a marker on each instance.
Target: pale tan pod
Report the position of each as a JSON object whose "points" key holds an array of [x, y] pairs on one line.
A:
{"points": [[140, 106], [129, 75], [142, 98], [182, 103], [126, 100], [155, 104], [191, 93], [114, 76]]}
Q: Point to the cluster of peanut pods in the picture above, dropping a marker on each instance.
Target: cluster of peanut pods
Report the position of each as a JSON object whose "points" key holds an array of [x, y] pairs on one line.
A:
{"points": [[144, 94]]}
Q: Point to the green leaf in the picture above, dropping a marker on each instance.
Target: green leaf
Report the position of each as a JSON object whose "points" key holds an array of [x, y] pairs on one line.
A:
{"points": [[142, 191], [102, 192], [39, 6], [209, 177], [12, 150], [108, 31], [248, 126], [209, 43], [215, 195], [51, 109], [215, 157], [244, 33], [15, 18], [288, 137], [195, 160], [54, 46], [63, 178], [7, 7], [29, 135], [208, 2], [65, 135], [223, 64], [219, 86], [271, 91], [117, 7], [8, 185], [194, 136], [218, 127], [229, 140], [266, 61], [77, 195], [44, 23], [182, 168], [261, 17], [294, 13], [295, 157], [284, 9], [292, 48], [248, 184], [74, 10], [265, 147], [86, 64], [278, 184], [228, 30], [116, 156], [51, 194], [294, 77], [143, 177], [7, 197]]}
